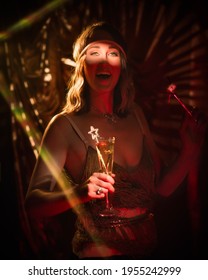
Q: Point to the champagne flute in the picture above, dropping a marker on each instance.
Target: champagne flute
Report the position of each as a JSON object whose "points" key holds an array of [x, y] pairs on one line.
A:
{"points": [[105, 152]]}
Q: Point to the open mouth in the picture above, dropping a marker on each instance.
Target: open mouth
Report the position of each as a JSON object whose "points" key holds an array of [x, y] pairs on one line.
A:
{"points": [[104, 76]]}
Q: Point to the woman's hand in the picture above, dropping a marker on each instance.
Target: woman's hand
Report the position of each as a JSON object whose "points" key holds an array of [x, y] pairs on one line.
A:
{"points": [[99, 184], [192, 133]]}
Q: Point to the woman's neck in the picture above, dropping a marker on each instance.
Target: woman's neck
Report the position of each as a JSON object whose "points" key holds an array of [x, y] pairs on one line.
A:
{"points": [[102, 103]]}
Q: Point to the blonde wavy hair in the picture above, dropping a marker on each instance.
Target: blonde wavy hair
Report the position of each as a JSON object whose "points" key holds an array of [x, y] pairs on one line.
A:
{"points": [[77, 99]]}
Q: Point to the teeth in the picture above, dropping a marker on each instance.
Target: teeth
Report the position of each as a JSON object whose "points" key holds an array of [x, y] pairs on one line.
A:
{"points": [[103, 73]]}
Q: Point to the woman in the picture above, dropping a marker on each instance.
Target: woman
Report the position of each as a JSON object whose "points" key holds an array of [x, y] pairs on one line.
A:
{"points": [[66, 175]]}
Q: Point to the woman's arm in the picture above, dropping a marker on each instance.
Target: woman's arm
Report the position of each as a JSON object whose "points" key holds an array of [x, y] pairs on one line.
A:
{"points": [[50, 191], [192, 135]]}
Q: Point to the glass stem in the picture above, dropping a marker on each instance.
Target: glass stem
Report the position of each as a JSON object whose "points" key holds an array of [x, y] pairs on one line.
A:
{"points": [[107, 201]]}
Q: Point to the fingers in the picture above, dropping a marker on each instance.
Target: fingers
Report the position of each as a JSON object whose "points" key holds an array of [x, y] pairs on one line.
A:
{"points": [[104, 177], [99, 184], [196, 124], [199, 116]]}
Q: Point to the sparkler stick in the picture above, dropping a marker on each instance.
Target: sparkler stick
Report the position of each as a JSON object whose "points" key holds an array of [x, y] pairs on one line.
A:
{"points": [[101, 159], [95, 136], [170, 90]]}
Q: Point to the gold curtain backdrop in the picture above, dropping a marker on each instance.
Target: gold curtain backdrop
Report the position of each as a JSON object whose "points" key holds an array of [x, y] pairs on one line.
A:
{"points": [[167, 43]]}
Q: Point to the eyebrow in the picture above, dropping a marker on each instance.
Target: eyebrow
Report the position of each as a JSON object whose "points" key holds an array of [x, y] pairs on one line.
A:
{"points": [[98, 47]]}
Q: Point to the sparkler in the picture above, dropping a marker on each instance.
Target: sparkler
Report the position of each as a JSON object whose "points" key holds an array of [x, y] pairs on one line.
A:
{"points": [[170, 91]]}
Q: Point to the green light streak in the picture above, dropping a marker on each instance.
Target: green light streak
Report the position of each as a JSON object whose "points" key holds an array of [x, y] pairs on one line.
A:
{"points": [[31, 19]]}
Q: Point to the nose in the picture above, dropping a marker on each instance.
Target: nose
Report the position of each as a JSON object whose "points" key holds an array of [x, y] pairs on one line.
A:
{"points": [[104, 59]]}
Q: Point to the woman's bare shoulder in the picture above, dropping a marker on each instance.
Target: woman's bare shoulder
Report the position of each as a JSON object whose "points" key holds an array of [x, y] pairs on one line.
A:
{"points": [[59, 120], [59, 124]]}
